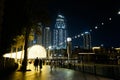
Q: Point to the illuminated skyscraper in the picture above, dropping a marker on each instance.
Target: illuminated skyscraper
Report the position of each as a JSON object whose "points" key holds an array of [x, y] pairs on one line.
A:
{"points": [[87, 40], [47, 37], [60, 33], [36, 34]]}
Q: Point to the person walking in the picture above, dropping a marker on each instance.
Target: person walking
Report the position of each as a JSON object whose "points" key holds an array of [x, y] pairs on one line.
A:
{"points": [[40, 64], [36, 62], [51, 64]]}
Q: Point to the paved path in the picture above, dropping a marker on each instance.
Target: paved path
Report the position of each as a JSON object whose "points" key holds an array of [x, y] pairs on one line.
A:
{"points": [[55, 74]]}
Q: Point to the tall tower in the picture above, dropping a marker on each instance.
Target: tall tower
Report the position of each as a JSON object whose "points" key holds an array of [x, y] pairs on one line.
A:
{"points": [[47, 37], [36, 35], [60, 33], [87, 40]]}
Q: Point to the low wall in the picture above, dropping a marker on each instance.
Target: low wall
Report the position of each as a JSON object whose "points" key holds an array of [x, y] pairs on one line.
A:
{"points": [[7, 64]]}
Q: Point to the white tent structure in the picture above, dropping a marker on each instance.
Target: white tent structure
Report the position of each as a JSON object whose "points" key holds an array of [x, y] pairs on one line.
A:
{"points": [[33, 52]]}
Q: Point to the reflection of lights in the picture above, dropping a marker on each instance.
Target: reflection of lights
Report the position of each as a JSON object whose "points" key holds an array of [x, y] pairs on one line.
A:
{"points": [[33, 52]]}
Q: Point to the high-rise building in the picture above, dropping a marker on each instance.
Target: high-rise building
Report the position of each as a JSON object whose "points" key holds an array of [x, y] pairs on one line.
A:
{"points": [[87, 40], [60, 33], [47, 37], [36, 35]]}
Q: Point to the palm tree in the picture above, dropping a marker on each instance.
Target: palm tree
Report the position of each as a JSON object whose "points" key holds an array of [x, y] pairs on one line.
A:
{"points": [[31, 20], [19, 42]]}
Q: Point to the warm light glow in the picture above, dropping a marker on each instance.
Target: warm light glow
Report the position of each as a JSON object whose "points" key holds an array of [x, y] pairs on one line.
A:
{"points": [[117, 48], [33, 52], [86, 53], [96, 48], [36, 51]]}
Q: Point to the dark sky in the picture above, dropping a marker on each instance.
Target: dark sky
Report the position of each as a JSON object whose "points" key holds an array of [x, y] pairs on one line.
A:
{"points": [[83, 15]]}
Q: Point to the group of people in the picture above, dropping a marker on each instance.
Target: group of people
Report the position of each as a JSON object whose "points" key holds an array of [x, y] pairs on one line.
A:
{"points": [[38, 64]]}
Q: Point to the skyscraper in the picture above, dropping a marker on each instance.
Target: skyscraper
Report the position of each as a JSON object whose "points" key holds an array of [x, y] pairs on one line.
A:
{"points": [[87, 40], [36, 33], [47, 37], [60, 33]]}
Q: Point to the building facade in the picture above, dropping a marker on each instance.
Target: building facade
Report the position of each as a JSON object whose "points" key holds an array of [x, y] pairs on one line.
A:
{"points": [[36, 35], [87, 41], [60, 33], [47, 37], [59, 36]]}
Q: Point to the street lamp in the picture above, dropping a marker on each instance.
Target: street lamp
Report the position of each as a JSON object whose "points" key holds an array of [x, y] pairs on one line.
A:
{"points": [[69, 47], [49, 52]]}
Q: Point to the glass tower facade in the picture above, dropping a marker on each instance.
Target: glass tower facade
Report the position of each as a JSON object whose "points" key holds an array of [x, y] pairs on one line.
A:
{"points": [[36, 35], [87, 40], [47, 37], [60, 33]]}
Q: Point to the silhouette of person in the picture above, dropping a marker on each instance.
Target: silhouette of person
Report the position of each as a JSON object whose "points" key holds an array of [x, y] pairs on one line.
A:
{"points": [[40, 64], [36, 62]]}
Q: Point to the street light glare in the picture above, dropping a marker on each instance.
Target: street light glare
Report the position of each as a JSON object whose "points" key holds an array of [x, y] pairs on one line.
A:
{"points": [[118, 12], [69, 39]]}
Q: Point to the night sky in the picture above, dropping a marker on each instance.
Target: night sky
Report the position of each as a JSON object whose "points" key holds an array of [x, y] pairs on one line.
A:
{"points": [[81, 16]]}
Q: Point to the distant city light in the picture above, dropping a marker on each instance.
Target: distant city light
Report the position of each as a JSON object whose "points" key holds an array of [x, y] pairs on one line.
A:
{"points": [[75, 36], [96, 27], [78, 35], [110, 19], [90, 30], [82, 34], [50, 47], [86, 32], [118, 12], [61, 16], [102, 23], [102, 45]]}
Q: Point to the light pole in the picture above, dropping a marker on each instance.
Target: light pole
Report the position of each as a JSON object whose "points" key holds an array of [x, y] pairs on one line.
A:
{"points": [[49, 51], [69, 47]]}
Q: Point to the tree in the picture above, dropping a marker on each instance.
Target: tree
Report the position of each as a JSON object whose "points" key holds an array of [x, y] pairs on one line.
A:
{"points": [[32, 15]]}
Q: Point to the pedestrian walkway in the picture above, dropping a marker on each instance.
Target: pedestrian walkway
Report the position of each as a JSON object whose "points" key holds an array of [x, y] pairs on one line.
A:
{"points": [[55, 74]]}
